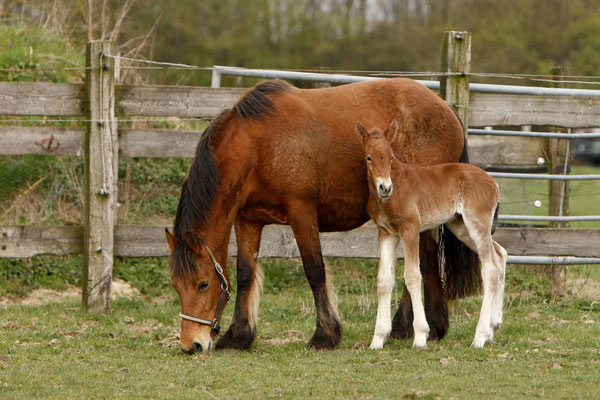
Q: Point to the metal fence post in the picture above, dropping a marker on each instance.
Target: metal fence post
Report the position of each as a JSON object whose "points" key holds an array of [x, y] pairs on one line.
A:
{"points": [[456, 60], [100, 173], [215, 79]]}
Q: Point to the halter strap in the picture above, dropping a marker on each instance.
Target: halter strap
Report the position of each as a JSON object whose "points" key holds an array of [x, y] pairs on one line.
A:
{"points": [[225, 295]]}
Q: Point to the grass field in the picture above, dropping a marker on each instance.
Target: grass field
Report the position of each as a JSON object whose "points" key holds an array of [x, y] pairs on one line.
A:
{"points": [[519, 196], [545, 349]]}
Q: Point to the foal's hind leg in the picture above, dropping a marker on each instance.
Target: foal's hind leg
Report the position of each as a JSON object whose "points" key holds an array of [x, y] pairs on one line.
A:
{"points": [[477, 236], [303, 220], [480, 234], [242, 331], [498, 301], [388, 245]]}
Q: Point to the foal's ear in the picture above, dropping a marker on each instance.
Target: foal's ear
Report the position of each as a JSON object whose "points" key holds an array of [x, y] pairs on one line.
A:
{"points": [[362, 131], [193, 242], [392, 133], [171, 239]]}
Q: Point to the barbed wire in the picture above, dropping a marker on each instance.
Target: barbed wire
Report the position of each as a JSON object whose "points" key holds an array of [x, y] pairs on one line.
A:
{"points": [[162, 65]]}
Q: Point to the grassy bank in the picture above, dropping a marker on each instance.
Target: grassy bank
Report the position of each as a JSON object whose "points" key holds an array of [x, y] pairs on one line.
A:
{"points": [[545, 349]]}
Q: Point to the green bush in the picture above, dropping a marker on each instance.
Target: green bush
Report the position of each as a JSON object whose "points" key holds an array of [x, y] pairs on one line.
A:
{"points": [[31, 50]]}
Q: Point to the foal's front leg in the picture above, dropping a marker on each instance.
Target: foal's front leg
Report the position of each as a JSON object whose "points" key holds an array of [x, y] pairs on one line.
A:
{"points": [[388, 245], [412, 281]]}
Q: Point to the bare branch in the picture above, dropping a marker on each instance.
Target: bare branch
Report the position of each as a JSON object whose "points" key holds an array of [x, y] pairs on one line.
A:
{"points": [[104, 22], [122, 14], [89, 20]]}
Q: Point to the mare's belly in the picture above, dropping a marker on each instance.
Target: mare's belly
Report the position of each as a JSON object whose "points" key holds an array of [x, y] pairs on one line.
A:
{"points": [[342, 214]]}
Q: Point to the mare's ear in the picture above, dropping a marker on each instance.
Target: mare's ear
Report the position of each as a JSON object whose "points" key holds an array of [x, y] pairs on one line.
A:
{"points": [[171, 239], [362, 131], [393, 132], [194, 242]]}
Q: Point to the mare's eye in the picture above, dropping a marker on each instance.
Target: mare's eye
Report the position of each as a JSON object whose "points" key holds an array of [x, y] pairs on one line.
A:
{"points": [[369, 158], [202, 286]]}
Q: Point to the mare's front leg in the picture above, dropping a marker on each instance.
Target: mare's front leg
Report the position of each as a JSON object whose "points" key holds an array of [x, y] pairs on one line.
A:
{"points": [[388, 245], [303, 220], [242, 331], [412, 281]]}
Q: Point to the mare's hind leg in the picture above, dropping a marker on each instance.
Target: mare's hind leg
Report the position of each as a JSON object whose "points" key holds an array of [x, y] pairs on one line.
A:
{"points": [[242, 331], [436, 310], [388, 245], [303, 220]]}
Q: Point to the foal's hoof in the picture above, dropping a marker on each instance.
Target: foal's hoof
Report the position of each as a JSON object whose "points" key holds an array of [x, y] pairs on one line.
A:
{"points": [[419, 346], [479, 342], [420, 342]]}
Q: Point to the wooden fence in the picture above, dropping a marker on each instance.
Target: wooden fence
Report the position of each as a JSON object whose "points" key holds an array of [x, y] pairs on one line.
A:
{"points": [[100, 99]]}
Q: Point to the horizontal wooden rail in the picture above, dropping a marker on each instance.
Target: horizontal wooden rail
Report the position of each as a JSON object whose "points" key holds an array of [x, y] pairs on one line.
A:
{"points": [[175, 101], [54, 140], [278, 241], [41, 98], [486, 109]]}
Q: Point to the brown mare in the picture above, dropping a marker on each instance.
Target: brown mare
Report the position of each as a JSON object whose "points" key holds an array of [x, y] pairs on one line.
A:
{"points": [[284, 155], [462, 196]]}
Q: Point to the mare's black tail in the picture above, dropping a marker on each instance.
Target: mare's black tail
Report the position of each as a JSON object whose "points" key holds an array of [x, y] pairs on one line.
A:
{"points": [[459, 265]]}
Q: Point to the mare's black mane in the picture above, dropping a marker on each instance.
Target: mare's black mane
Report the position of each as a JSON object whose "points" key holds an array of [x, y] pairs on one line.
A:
{"points": [[199, 189]]}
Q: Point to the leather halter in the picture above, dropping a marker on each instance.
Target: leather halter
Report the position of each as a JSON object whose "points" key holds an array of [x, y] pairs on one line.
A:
{"points": [[225, 294]]}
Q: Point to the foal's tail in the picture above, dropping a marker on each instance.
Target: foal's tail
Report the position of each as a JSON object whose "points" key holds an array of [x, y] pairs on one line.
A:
{"points": [[459, 265], [495, 220]]}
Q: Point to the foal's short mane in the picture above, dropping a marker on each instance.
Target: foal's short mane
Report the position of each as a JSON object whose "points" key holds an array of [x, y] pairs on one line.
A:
{"points": [[199, 189]]}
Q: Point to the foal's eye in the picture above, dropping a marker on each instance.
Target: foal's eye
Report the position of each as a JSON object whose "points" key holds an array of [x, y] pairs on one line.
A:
{"points": [[369, 158], [202, 286]]}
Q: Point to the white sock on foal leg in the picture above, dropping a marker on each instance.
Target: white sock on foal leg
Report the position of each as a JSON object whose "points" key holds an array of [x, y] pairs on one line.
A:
{"points": [[385, 285]]}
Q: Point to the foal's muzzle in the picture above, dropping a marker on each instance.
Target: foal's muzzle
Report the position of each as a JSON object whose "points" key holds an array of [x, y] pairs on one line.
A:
{"points": [[385, 191]]}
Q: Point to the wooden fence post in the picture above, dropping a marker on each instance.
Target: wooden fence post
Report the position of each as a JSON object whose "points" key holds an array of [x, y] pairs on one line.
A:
{"points": [[100, 175], [456, 58], [558, 154]]}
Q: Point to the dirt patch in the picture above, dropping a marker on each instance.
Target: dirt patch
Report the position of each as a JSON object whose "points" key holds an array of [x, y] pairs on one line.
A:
{"points": [[581, 287], [43, 296]]}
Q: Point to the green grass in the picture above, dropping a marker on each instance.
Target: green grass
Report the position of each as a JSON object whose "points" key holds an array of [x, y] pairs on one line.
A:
{"points": [[37, 55], [545, 349]]}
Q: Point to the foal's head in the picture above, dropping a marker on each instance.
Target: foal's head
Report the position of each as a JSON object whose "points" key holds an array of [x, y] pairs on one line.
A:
{"points": [[379, 156]]}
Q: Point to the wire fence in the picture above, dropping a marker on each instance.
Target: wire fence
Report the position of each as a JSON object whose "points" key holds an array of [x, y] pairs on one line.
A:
{"points": [[583, 80], [34, 192]]}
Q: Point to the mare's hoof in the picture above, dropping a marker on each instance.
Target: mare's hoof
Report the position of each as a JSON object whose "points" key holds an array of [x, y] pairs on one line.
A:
{"points": [[438, 321], [322, 341], [402, 327], [241, 340]]}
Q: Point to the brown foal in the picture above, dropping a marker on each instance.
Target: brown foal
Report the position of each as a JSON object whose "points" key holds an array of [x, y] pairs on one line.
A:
{"points": [[406, 199]]}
